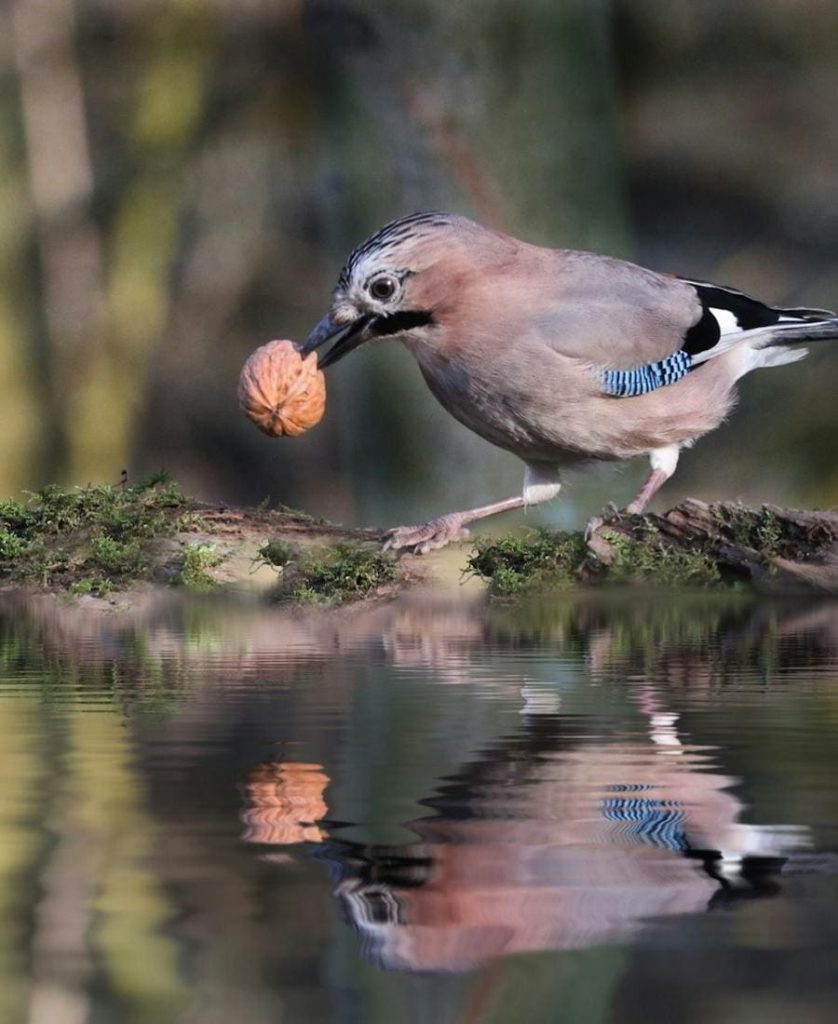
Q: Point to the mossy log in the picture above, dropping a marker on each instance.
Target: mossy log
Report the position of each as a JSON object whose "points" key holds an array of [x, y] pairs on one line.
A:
{"points": [[103, 542], [773, 548], [692, 545]]}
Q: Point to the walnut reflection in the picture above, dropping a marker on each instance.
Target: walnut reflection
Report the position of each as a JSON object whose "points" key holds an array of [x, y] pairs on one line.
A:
{"points": [[284, 801]]}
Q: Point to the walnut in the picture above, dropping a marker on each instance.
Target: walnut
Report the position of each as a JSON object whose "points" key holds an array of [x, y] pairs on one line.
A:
{"points": [[283, 393]]}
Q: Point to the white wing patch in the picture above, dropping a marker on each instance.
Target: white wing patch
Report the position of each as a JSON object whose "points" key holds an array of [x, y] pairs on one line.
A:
{"points": [[728, 324]]}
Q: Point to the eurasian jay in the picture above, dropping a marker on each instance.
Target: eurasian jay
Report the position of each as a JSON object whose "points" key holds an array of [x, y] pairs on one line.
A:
{"points": [[561, 357]]}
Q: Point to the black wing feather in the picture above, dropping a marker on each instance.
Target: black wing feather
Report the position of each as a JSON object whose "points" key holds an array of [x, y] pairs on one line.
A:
{"points": [[749, 312]]}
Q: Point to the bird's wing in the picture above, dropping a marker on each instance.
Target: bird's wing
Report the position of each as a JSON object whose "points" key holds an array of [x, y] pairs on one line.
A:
{"points": [[640, 330], [608, 312]]}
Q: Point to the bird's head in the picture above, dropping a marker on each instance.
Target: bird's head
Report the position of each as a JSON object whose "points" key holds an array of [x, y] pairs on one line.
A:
{"points": [[390, 285]]}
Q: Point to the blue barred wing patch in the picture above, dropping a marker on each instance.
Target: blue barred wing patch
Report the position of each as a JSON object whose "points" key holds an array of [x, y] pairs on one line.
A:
{"points": [[641, 379], [655, 822]]}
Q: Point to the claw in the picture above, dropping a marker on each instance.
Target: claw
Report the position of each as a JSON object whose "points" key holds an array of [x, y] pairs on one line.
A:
{"points": [[592, 525], [426, 537], [612, 513]]}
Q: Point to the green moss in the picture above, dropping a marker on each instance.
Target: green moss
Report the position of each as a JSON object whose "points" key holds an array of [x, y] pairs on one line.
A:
{"points": [[277, 553], [98, 586], [198, 559], [88, 539], [344, 572], [117, 559], [95, 539], [12, 546], [541, 558], [545, 559], [647, 557], [759, 529], [327, 575]]}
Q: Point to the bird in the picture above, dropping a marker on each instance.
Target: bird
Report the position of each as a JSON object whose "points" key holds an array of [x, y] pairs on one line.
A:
{"points": [[562, 357]]}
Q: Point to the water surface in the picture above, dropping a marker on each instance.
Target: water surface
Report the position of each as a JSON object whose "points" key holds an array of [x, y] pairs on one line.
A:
{"points": [[588, 808]]}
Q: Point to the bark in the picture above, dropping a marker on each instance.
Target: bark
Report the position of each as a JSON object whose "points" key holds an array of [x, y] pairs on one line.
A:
{"points": [[775, 549]]}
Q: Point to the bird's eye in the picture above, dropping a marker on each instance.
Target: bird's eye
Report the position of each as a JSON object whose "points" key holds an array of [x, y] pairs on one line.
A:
{"points": [[383, 288]]}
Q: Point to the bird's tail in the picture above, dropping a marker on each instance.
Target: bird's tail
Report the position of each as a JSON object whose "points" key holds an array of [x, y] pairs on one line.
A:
{"points": [[774, 345]]}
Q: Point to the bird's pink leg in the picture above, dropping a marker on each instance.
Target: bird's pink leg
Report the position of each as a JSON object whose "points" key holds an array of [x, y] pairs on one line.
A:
{"points": [[654, 481], [541, 483], [437, 533], [664, 461]]}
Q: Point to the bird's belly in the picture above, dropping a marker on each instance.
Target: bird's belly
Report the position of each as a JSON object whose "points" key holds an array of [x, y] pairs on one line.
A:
{"points": [[494, 414], [564, 419]]}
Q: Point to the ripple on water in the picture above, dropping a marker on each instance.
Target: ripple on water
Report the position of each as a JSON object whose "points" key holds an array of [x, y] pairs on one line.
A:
{"points": [[210, 798]]}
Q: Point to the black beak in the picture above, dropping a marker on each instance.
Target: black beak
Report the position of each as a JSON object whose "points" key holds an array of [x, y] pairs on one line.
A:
{"points": [[345, 338]]}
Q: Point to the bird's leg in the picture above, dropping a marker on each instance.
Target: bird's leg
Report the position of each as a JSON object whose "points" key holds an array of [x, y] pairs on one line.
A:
{"points": [[540, 484], [654, 481], [664, 461], [425, 537]]}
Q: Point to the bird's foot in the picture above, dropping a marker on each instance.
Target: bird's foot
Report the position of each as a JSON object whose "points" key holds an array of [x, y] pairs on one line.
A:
{"points": [[592, 525], [427, 536], [610, 514]]}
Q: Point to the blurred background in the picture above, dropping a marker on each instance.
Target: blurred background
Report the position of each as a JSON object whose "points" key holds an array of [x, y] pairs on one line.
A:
{"points": [[181, 180]]}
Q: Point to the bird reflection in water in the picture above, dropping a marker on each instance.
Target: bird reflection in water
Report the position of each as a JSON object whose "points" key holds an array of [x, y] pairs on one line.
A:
{"points": [[550, 840]]}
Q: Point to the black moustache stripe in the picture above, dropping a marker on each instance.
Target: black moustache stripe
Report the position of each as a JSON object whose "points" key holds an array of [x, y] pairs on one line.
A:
{"points": [[395, 323]]}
